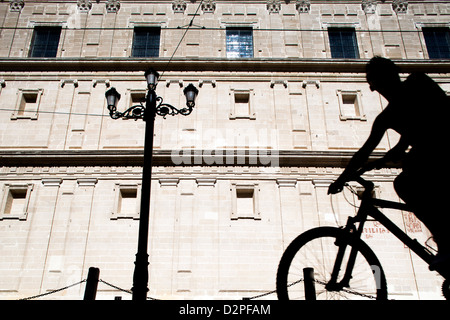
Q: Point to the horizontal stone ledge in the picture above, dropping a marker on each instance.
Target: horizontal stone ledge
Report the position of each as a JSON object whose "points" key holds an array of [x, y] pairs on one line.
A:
{"points": [[174, 158], [213, 64]]}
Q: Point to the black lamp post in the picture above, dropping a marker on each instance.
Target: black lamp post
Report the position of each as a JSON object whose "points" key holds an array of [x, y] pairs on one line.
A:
{"points": [[153, 106]]}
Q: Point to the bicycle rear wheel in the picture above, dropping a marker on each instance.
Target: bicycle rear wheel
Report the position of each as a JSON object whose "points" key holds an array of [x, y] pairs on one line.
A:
{"points": [[317, 249]]}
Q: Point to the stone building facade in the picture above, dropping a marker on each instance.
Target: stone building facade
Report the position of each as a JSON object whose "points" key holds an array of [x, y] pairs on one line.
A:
{"points": [[283, 104]]}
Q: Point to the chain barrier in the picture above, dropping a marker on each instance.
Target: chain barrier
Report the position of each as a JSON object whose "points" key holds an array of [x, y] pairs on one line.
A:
{"points": [[150, 298], [316, 281], [54, 291], [78, 283], [121, 289], [115, 287]]}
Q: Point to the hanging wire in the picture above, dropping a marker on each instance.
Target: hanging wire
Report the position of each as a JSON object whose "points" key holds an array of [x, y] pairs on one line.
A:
{"points": [[181, 40], [57, 112], [103, 115], [352, 203], [334, 212], [352, 190]]}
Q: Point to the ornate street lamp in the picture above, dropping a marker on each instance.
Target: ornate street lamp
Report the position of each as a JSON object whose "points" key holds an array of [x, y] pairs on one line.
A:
{"points": [[153, 106]]}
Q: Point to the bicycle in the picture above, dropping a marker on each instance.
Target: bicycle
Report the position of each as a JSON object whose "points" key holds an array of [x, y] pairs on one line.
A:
{"points": [[340, 261]]}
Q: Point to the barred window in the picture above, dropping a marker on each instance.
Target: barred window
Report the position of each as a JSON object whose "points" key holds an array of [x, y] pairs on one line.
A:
{"points": [[343, 43], [45, 42], [239, 43], [146, 42], [438, 42]]}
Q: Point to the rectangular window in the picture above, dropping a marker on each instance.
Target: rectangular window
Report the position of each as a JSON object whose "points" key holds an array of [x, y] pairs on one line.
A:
{"points": [[245, 202], [15, 201], [350, 105], [239, 43], [146, 42], [126, 202], [137, 97], [27, 104], [45, 42], [438, 42], [245, 205], [241, 103], [343, 43], [241, 106]]}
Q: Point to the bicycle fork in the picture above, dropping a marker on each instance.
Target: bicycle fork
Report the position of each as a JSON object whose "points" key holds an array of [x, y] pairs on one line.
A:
{"points": [[354, 234]]}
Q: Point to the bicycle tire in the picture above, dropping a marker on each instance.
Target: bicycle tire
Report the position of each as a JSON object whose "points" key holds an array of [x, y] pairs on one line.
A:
{"points": [[323, 235]]}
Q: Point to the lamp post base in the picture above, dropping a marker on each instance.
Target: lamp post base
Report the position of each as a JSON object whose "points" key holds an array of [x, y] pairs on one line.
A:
{"points": [[140, 277]]}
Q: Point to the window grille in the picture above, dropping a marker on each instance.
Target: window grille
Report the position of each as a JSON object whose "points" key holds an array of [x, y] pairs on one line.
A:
{"points": [[239, 43], [146, 42], [343, 43], [45, 42]]}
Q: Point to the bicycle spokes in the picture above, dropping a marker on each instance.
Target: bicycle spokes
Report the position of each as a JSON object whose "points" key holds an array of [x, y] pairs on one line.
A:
{"points": [[329, 262]]}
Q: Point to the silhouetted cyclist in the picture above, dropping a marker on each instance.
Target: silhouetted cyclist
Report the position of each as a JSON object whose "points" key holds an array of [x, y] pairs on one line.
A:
{"points": [[419, 110]]}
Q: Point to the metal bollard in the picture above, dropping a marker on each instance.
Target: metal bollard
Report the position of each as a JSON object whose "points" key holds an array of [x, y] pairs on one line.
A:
{"points": [[308, 279], [90, 291]]}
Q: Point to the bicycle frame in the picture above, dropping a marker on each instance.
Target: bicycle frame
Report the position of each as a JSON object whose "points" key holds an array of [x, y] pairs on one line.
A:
{"points": [[369, 208]]}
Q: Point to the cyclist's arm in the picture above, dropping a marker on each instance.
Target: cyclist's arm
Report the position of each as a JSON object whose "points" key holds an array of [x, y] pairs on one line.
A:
{"points": [[395, 154], [398, 151], [360, 157]]}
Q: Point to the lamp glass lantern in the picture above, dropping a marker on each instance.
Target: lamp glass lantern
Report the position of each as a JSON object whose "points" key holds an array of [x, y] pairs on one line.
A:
{"points": [[191, 93], [151, 75], [112, 98]]}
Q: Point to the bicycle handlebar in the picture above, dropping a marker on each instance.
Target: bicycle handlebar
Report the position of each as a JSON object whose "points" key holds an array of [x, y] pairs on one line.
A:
{"points": [[368, 185]]}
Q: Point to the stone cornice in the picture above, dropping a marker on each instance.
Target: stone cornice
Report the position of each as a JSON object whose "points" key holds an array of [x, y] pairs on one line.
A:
{"points": [[211, 64], [171, 158]]}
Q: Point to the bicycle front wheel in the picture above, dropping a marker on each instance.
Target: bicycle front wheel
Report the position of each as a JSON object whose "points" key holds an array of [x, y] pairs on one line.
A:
{"points": [[318, 249]]}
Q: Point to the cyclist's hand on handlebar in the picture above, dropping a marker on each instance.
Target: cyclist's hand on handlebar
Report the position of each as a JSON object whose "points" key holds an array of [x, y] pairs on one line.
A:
{"points": [[336, 187]]}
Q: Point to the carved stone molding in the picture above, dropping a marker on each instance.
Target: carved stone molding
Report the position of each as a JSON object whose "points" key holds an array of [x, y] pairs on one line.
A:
{"points": [[179, 82], [303, 6], [369, 6], [400, 6], [16, 5], [169, 182], [179, 6], [87, 182], [315, 83], [112, 6], [274, 6], [284, 83], [202, 82], [84, 5], [106, 82], [209, 6], [51, 182], [282, 182], [206, 182], [63, 82]]}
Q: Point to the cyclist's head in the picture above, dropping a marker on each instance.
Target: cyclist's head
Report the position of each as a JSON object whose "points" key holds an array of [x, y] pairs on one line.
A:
{"points": [[382, 74]]}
